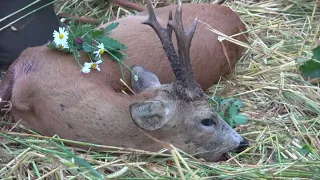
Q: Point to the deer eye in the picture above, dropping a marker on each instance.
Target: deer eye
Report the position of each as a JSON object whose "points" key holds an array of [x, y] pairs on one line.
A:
{"points": [[207, 122]]}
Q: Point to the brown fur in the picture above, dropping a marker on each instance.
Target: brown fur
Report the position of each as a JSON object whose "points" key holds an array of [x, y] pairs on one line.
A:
{"points": [[52, 96], [207, 58]]}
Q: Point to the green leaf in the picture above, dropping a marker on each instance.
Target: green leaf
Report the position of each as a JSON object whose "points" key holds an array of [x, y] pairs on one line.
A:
{"points": [[80, 30], [96, 34], [230, 122], [111, 27], [305, 150], [225, 101], [78, 160], [221, 114], [233, 110], [218, 99], [112, 44], [36, 169], [310, 69], [238, 103], [316, 53], [87, 48], [240, 119]]}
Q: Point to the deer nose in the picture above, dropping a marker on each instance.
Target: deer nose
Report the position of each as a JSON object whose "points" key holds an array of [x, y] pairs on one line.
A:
{"points": [[244, 144]]}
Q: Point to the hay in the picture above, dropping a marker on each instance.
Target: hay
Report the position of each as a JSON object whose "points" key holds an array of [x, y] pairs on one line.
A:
{"points": [[282, 107]]}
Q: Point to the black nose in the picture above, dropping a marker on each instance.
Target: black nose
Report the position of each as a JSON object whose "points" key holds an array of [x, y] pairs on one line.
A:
{"points": [[243, 145]]}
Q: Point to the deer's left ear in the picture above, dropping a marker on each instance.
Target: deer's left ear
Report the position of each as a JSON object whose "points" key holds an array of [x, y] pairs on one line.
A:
{"points": [[145, 79]]}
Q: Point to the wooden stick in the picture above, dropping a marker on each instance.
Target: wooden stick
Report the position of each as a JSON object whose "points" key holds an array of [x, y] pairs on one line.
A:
{"points": [[130, 5], [79, 19]]}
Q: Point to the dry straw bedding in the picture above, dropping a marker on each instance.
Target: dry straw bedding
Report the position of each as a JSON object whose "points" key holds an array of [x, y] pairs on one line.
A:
{"points": [[283, 108]]}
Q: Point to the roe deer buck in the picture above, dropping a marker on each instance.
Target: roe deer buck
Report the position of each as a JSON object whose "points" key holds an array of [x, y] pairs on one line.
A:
{"points": [[51, 96]]}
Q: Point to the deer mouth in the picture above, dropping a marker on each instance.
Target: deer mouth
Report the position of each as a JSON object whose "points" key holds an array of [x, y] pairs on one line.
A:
{"points": [[224, 157]]}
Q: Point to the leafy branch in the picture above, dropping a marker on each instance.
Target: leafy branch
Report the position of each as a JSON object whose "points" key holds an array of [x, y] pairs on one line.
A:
{"points": [[94, 42], [228, 109], [311, 68]]}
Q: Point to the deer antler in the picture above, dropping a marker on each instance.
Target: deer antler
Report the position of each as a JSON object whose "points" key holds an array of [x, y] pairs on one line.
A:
{"points": [[181, 65]]}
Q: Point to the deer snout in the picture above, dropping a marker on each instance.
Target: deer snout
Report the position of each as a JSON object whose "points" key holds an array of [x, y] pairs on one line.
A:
{"points": [[244, 144], [233, 140]]}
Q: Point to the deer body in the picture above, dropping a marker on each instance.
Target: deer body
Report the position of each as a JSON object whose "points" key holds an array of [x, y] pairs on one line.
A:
{"points": [[51, 96], [207, 58]]}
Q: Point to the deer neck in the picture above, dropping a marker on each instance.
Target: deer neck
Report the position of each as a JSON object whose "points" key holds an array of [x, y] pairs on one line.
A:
{"points": [[113, 125]]}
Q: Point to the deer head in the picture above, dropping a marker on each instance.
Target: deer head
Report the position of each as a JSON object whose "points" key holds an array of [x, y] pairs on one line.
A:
{"points": [[179, 112]]}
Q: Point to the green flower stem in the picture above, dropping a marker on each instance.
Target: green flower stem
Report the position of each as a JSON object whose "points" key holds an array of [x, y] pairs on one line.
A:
{"points": [[78, 61], [88, 44], [121, 70], [120, 61]]}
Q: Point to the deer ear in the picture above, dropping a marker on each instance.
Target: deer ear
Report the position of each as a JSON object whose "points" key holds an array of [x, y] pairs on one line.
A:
{"points": [[150, 115], [144, 79]]}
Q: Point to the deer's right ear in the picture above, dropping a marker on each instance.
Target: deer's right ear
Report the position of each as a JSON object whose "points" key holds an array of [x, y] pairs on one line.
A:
{"points": [[144, 79], [150, 115]]}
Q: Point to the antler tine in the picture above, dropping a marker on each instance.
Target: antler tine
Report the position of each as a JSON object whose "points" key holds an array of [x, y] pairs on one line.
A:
{"points": [[153, 22], [184, 43], [165, 35], [181, 65]]}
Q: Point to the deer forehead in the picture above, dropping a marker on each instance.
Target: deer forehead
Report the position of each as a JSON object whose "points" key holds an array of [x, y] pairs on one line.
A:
{"points": [[198, 108]]}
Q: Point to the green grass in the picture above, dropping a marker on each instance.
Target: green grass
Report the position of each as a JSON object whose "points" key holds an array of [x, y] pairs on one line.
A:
{"points": [[283, 109]]}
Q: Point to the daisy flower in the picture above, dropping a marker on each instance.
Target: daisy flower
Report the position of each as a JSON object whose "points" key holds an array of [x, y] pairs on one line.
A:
{"points": [[92, 65], [63, 45], [100, 51], [85, 69], [60, 37]]}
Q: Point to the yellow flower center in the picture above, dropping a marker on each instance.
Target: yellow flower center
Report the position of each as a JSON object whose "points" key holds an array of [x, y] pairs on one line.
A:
{"points": [[94, 66], [61, 36], [101, 51]]}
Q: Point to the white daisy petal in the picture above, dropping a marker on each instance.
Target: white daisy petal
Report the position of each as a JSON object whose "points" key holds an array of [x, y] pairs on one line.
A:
{"points": [[97, 53], [63, 45], [66, 46], [100, 51], [101, 46], [63, 31], [99, 62], [88, 64], [85, 69], [55, 34]]}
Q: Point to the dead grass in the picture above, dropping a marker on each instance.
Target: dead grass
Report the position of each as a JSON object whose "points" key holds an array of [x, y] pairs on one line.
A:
{"points": [[283, 109]]}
